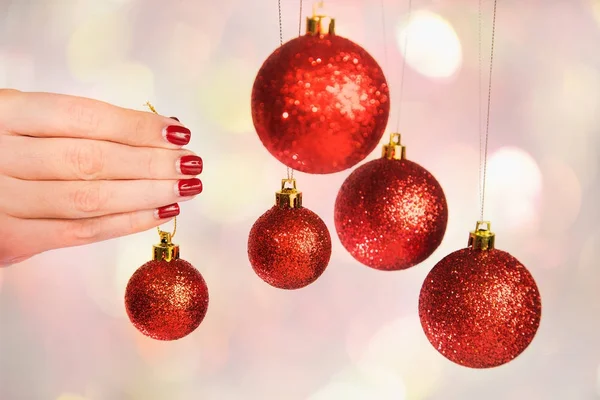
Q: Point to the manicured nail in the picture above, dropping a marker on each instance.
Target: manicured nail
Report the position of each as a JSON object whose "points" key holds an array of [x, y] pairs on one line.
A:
{"points": [[189, 165], [169, 211], [188, 187], [177, 134]]}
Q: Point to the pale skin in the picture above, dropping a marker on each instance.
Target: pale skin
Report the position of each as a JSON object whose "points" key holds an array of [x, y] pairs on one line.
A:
{"points": [[75, 171]]}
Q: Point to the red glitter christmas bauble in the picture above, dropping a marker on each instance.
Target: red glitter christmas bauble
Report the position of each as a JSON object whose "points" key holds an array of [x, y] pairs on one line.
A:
{"points": [[166, 300], [480, 308], [391, 214], [320, 104], [289, 248]]}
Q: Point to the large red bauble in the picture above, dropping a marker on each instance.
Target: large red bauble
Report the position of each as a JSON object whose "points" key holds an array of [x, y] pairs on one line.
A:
{"points": [[391, 214], [289, 248], [166, 300], [480, 308], [320, 104]]}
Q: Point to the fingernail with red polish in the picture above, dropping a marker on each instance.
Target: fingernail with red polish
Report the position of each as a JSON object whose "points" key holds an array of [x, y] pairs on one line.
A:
{"points": [[177, 134], [189, 165], [189, 187], [169, 211]]}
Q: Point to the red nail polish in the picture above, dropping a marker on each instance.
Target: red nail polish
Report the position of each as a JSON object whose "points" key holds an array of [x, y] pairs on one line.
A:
{"points": [[169, 211], [189, 187], [190, 165], [177, 134]]}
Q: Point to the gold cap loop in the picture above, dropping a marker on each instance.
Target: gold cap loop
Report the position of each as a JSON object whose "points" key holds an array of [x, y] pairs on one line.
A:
{"points": [[319, 24], [394, 150], [482, 238], [288, 196], [165, 250]]}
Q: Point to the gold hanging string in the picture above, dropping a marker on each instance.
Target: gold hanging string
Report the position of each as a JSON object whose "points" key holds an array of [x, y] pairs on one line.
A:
{"points": [[151, 107], [483, 166]]}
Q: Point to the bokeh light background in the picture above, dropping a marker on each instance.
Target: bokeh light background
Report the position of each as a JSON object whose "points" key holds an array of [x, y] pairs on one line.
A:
{"points": [[355, 333]]}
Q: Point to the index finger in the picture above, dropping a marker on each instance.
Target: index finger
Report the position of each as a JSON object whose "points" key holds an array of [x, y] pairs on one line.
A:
{"points": [[57, 115]]}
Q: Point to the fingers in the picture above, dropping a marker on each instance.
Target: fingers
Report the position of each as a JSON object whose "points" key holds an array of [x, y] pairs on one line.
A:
{"points": [[76, 159], [80, 199], [44, 234], [55, 115]]}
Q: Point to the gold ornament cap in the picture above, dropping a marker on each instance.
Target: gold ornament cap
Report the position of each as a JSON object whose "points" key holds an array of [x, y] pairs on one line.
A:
{"points": [[319, 24], [482, 238], [288, 196], [394, 149], [165, 250]]}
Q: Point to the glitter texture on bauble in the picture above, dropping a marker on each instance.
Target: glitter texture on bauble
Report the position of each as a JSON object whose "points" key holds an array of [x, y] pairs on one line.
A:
{"points": [[166, 299], [391, 213], [289, 246], [479, 306], [320, 102]]}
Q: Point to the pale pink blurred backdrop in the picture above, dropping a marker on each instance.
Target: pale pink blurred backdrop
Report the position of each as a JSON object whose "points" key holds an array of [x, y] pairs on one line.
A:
{"points": [[355, 333]]}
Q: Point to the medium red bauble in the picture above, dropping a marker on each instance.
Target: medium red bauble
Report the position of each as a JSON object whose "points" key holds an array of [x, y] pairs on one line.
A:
{"points": [[166, 300], [391, 214], [320, 103], [480, 308], [289, 246]]}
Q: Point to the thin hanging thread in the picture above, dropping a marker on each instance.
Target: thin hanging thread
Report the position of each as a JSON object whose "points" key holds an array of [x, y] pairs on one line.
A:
{"points": [[489, 103], [290, 171], [151, 107], [480, 103], [300, 20], [385, 50], [400, 95], [280, 25]]}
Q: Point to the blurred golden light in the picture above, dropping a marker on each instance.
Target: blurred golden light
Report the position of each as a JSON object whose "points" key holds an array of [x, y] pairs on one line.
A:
{"points": [[354, 385], [595, 4], [237, 189], [127, 84], [97, 44], [514, 185], [432, 47], [401, 347], [224, 95]]}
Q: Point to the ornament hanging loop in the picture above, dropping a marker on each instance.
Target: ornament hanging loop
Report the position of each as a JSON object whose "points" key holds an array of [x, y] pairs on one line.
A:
{"points": [[160, 233], [319, 24], [288, 196], [394, 150], [482, 238]]}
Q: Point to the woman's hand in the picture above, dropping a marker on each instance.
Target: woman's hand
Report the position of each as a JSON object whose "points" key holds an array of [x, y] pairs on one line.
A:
{"points": [[75, 171]]}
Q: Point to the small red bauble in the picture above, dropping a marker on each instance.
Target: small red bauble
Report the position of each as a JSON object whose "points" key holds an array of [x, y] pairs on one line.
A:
{"points": [[166, 300], [320, 102], [289, 246], [479, 306], [391, 213]]}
